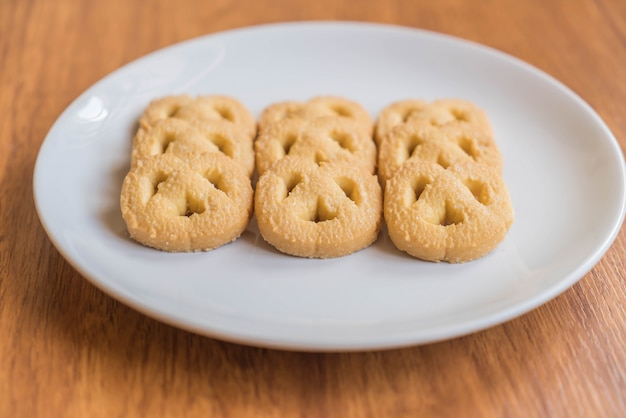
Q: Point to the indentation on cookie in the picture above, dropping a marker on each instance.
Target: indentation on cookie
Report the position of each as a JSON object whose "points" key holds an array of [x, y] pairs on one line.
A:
{"points": [[343, 139], [224, 145], [443, 161], [158, 178], [451, 215], [411, 145], [291, 182], [216, 178], [319, 158], [287, 142], [418, 186], [460, 115], [172, 111], [468, 146], [193, 206], [406, 115], [322, 212], [350, 188], [164, 143], [225, 113], [341, 111], [479, 190], [445, 213]]}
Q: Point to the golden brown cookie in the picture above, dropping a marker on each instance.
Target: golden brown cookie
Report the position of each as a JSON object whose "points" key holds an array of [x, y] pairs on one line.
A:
{"points": [[276, 141], [317, 107], [163, 108], [230, 140], [318, 211], [396, 114], [341, 107], [444, 145], [443, 111], [322, 139], [456, 214], [213, 107], [171, 136], [223, 108], [186, 205], [283, 110], [185, 139], [437, 113]]}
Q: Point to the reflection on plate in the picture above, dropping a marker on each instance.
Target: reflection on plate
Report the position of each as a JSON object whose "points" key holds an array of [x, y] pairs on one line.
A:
{"points": [[563, 167]]}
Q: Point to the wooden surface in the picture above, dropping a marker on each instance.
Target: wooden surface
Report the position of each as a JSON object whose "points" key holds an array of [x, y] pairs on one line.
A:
{"points": [[68, 350]]}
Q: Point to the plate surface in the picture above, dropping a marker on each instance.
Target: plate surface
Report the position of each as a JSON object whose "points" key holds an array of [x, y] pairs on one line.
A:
{"points": [[564, 169]]}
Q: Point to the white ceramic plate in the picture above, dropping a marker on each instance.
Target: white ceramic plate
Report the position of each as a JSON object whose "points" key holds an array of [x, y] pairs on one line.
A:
{"points": [[564, 169]]}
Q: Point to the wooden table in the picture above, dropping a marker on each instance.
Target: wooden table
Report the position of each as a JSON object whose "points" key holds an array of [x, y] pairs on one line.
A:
{"points": [[68, 350]]}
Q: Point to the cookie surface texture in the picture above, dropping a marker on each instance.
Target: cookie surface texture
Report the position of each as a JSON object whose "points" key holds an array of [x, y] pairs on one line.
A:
{"points": [[436, 113], [323, 139], [186, 205], [169, 136], [445, 145], [443, 111], [396, 114], [229, 139], [220, 108], [318, 211], [212, 107], [456, 214], [287, 110], [341, 107], [317, 107], [163, 108]]}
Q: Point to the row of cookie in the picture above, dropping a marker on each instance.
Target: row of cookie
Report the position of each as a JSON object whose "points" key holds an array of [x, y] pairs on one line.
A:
{"points": [[418, 122], [317, 193], [189, 186], [320, 131], [454, 135], [445, 198], [226, 123]]}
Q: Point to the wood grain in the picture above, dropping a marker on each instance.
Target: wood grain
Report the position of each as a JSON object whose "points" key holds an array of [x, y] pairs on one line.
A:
{"points": [[68, 350]]}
